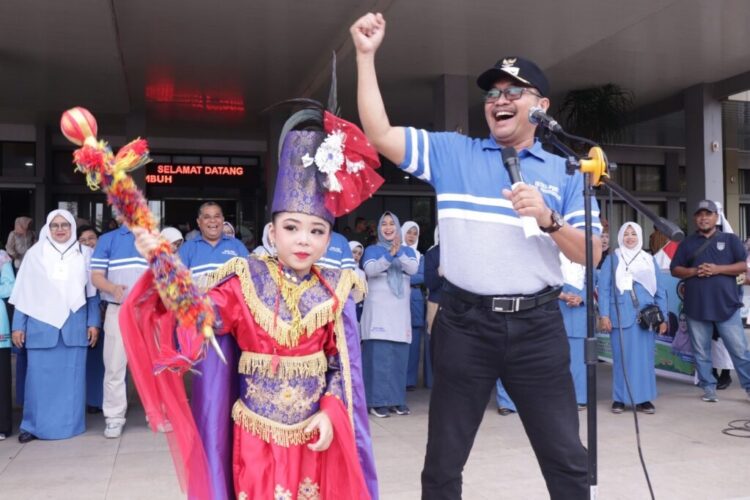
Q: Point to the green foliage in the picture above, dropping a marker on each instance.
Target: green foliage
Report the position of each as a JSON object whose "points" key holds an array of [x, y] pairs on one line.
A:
{"points": [[597, 113]]}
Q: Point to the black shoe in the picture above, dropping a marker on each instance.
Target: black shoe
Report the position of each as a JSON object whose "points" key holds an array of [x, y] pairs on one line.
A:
{"points": [[723, 383], [25, 437], [646, 407], [618, 407], [411, 388], [400, 410], [91, 410], [504, 411], [380, 412]]}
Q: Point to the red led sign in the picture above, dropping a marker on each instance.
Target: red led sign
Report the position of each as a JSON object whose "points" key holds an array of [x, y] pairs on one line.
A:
{"points": [[164, 173]]}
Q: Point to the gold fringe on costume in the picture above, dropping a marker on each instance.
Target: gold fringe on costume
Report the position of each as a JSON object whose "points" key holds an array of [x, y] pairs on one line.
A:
{"points": [[284, 333], [288, 367], [268, 430]]}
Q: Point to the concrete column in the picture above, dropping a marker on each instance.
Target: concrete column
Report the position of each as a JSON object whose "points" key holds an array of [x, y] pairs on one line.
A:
{"points": [[672, 184], [452, 104], [703, 152], [42, 172]]}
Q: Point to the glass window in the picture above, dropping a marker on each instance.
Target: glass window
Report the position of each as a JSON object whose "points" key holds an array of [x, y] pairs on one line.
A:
{"points": [[18, 159], [649, 178], [744, 178], [70, 206]]}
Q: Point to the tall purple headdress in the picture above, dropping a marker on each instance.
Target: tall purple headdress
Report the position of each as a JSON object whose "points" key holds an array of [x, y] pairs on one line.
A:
{"points": [[299, 188]]}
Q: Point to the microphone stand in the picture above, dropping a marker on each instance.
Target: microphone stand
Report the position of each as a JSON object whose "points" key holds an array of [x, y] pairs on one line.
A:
{"points": [[595, 169]]}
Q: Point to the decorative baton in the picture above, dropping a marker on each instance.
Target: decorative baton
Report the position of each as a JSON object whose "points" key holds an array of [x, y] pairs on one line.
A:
{"points": [[109, 172]]}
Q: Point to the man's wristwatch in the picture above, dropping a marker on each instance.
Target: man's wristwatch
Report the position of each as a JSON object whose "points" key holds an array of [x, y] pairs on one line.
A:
{"points": [[556, 223]]}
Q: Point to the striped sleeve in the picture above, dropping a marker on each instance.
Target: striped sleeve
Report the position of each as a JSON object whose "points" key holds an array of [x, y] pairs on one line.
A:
{"points": [[573, 209], [100, 257], [417, 156]]}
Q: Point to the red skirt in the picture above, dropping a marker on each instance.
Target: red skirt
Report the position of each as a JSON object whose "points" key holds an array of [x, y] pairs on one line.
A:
{"points": [[265, 470]]}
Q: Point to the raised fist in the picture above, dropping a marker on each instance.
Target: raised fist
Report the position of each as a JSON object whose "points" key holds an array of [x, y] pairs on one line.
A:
{"points": [[367, 33]]}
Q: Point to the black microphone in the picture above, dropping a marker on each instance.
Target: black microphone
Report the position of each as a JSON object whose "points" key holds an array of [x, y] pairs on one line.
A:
{"points": [[537, 116], [512, 165]]}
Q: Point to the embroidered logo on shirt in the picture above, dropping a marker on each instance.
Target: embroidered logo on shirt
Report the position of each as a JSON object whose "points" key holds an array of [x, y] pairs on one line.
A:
{"points": [[548, 189], [720, 245], [229, 252]]}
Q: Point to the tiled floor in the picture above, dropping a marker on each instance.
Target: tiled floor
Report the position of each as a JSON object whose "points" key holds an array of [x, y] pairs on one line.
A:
{"points": [[687, 455]]}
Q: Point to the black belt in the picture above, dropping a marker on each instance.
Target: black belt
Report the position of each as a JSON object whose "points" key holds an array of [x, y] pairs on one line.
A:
{"points": [[504, 303]]}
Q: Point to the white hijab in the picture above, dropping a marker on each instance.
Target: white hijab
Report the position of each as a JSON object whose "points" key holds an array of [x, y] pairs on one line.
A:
{"points": [[61, 296], [634, 261], [266, 248], [723, 222], [404, 229]]}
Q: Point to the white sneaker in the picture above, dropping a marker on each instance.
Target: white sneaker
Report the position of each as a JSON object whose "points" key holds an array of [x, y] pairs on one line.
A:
{"points": [[113, 430]]}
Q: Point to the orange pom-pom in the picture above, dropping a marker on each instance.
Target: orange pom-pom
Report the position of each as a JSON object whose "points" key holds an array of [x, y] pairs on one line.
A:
{"points": [[78, 124]]}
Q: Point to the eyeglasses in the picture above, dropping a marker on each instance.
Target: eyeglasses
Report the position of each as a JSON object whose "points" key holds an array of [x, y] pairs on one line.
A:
{"points": [[510, 93], [62, 225]]}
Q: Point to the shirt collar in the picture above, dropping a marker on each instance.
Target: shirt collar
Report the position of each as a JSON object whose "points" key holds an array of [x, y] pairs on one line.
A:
{"points": [[535, 150], [201, 238]]}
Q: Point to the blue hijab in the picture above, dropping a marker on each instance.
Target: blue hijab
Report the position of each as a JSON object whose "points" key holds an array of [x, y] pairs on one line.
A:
{"points": [[395, 274]]}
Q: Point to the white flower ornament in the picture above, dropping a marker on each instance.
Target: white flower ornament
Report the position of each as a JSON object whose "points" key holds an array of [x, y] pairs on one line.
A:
{"points": [[329, 158]]}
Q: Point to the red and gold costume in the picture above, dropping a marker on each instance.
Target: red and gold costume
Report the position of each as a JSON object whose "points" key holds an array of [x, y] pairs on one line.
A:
{"points": [[294, 363]]}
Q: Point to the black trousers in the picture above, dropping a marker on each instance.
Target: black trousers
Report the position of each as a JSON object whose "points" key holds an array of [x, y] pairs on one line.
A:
{"points": [[472, 347]]}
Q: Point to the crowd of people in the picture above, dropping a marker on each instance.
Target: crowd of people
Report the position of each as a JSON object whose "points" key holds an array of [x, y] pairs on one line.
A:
{"points": [[325, 328]]}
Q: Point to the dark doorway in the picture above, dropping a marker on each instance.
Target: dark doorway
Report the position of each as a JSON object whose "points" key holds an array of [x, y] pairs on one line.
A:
{"points": [[14, 203]]}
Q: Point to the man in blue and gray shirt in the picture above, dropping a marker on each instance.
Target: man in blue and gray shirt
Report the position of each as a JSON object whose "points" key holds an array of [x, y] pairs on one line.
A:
{"points": [[115, 267], [499, 315]]}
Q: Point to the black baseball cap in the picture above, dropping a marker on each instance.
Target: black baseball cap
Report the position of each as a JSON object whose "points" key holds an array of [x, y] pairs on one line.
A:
{"points": [[706, 205], [517, 68]]}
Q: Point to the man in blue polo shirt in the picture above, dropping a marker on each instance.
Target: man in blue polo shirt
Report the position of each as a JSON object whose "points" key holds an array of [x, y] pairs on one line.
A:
{"points": [[709, 262], [499, 315], [203, 254], [211, 248], [115, 267]]}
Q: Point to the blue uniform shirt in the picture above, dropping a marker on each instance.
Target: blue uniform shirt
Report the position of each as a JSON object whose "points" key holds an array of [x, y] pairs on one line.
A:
{"points": [[338, 255], [717, 297], [115, 254], [468, 176], [201, 257]]}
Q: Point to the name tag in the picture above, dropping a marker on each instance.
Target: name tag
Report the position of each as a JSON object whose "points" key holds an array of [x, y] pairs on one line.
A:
{"points": [[627, 281], [60, 271]]}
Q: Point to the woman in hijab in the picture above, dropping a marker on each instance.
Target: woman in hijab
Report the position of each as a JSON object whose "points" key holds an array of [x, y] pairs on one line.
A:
{"points": [[410, 236], [56, 330], [357, 251], [20, 240], [228, 229], [266, 248], [88, 236], [386, 319], [573, 310], [636, 284], [7, 280]]}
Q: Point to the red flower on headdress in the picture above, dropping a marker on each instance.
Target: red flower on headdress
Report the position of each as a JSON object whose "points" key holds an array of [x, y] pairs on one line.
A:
{"points": [[356, 176]]}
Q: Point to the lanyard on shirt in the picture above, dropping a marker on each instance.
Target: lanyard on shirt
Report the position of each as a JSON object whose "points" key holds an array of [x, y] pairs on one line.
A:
{"points": [[627, 263], [62, 254]]}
